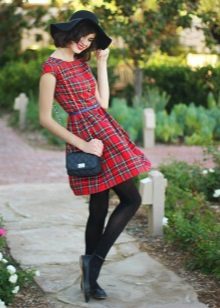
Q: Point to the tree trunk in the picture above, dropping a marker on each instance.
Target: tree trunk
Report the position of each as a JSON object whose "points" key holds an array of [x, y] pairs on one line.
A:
{"points": [[138, 85]]}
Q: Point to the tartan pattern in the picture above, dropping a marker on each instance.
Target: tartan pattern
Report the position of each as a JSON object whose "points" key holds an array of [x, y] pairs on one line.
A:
{"points": [[121, 159]]}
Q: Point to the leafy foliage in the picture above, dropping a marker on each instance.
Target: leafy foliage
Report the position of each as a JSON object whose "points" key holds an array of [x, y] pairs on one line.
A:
{"points": [[32, 120], [194, 125], [11, 27], [14, 19], [128, 117], [168, 130], [208, 11], [190, 124], [193, 226], [8, 288], [156, 99], [13, 278], [146, 25], [183, 84], [17, 77]]}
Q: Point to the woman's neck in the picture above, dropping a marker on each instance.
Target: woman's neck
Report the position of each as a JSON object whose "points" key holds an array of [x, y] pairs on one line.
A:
{"points": [[66, 53]]}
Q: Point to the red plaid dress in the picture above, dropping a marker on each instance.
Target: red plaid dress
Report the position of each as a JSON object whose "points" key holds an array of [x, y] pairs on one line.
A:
{"points": [[75, 90]]}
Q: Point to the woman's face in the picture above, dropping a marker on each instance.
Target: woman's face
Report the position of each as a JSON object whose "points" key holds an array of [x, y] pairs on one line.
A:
{"points": [[83, 44]]}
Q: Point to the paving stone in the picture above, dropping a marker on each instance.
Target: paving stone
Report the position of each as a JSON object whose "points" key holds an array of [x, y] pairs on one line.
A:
{"points": [[47, 245], [46, 224], [177, 305], [128, 249], [56, 277]]}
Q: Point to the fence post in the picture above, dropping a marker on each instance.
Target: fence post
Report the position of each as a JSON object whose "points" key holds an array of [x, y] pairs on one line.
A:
{"points": [[152, 190], [149, 124], [20, 104]]}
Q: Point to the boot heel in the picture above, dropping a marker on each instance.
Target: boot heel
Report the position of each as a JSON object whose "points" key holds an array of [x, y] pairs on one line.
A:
{"points": [[85, 284]]}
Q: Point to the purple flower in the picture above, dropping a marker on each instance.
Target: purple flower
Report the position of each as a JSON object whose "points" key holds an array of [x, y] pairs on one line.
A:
{"points": [[2, 232]]}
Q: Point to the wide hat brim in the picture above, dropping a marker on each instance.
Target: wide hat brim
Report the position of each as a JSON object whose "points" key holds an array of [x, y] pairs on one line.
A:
{"points": [[103, 41]]}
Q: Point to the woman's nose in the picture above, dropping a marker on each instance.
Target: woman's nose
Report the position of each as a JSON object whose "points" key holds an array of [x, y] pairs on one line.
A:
{"points": [[84, 42]]}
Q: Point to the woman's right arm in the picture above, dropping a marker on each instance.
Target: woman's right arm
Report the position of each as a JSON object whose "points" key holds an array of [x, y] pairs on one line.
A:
{"points": [[46, 97]]}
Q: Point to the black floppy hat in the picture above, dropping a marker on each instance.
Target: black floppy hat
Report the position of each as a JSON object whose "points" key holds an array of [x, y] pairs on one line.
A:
{"points": [[103, 41]]}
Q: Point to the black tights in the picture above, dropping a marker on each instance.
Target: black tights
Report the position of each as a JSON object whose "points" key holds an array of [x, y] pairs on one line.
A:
{"points": [[98, 239]]}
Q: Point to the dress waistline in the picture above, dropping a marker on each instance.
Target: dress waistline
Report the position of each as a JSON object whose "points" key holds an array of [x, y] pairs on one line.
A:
{"points": [[84, 110]]}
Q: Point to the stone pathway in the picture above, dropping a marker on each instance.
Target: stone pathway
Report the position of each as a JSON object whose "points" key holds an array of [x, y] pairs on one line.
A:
{"points": [[21, 163], [46, 222]]}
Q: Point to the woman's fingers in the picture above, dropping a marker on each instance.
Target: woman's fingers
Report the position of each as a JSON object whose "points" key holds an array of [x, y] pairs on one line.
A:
{"points": [[95, 146], [102, 54]]}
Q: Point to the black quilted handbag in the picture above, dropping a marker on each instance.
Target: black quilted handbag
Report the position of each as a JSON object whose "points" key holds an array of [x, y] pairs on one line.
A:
{"points": [[83, 164]]}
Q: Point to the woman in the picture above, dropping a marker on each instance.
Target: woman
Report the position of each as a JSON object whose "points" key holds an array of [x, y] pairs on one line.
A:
{"points": [[67, 77]]}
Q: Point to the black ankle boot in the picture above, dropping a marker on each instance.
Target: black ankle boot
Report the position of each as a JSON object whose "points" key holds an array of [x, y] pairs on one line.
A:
{"points": [[96, 263], [93, 267], [85, 282], [97, 292]]}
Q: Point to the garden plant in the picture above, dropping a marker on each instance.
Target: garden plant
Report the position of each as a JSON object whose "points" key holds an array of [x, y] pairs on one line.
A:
{"points": [[193, 212], [13, 278]]}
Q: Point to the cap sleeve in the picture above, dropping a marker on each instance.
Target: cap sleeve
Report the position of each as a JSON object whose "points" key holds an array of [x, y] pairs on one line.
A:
{"points": [[48, 68], [88, 68]]}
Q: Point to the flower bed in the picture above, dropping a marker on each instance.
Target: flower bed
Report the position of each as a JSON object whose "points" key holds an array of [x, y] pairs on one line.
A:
{"points": [[13, 278]]}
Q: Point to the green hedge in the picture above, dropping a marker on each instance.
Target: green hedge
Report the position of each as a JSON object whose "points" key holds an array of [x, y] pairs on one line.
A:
{"points": [[17, 77], [184, 84], [192, 125], [193, 226], [23, 76]]}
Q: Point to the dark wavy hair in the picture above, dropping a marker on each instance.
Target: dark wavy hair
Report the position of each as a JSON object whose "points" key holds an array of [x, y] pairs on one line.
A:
{"points": [[83, 28]]}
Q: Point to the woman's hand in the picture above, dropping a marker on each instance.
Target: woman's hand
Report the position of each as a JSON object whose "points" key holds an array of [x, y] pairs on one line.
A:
{"points": [[102, 88], [102, 54], [94, 146]]}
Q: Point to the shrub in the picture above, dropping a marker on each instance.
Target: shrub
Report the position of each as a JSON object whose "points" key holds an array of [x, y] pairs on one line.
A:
{"points": [[168, 129], [128, 117], [209, 181], [154, 98], [215, 115], [195, 125], [33, 123], [17, 77], [190, 124], [194, 228], [171, 76], [39, 55], [182, 83], [21, 75], [193, 225], [12, 277], [215, 154], [187, 178]]}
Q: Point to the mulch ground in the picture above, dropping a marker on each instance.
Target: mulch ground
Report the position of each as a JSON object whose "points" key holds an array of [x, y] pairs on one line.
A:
{"points": [[31, 297]]}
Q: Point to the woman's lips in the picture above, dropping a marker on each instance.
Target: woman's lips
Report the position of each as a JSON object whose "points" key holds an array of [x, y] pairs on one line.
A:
{"points": [[80, 47]]}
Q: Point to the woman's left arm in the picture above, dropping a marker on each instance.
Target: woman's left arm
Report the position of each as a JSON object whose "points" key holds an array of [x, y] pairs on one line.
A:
{"points": [[102, 87]]}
